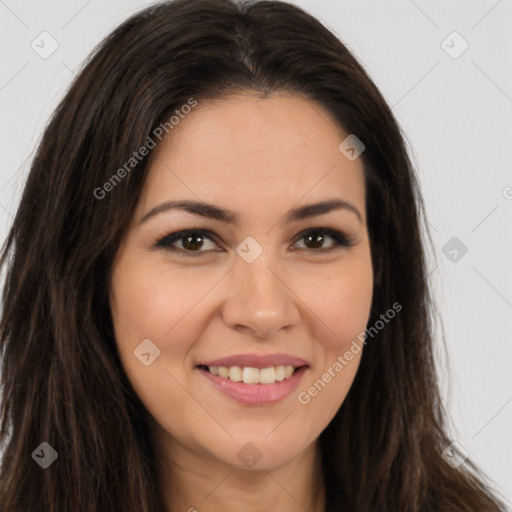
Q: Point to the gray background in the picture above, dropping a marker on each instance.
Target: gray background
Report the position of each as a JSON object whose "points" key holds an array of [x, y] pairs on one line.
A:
{"points": [[456, 114]]}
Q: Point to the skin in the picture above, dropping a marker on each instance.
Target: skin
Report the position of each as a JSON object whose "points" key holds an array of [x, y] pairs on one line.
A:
{"points": [[259, 158]]}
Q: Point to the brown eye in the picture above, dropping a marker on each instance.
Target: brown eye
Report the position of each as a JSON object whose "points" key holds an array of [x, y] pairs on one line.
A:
{"points": [[192, 241], [315, 238]]}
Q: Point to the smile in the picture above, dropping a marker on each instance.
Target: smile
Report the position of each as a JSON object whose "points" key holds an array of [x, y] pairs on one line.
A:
{"points": [[255, 380], [250, 375]]}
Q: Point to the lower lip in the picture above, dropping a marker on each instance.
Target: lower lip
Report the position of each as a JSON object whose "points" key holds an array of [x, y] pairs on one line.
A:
{"points": [[256, 394]]}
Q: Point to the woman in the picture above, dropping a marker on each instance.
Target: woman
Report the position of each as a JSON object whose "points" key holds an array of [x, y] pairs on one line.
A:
{"points": [[275, 370]]}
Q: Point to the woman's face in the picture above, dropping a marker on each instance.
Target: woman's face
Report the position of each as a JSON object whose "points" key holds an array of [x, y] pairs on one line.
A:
{"points": [[266, 288]]}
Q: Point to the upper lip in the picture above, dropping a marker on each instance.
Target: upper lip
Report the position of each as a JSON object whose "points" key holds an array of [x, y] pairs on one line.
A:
{"points": [[256, 361]]}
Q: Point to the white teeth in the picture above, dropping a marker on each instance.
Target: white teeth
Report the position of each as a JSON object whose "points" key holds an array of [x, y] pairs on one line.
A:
{"points": [[267, 375], [235, 373], [251, 375]]}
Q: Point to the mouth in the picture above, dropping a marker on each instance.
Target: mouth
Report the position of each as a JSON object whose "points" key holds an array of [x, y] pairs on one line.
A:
{"points": [[251, 375], [255, 380]]}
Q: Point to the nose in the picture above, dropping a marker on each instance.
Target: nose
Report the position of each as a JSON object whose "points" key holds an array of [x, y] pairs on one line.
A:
{"points": [[260, 299]]}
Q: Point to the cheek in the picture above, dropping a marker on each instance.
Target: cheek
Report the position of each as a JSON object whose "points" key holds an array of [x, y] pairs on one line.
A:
{"points": [[149, 302], [341, 301]]}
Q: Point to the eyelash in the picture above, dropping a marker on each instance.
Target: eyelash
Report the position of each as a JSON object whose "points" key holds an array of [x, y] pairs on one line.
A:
{"points": [[166, 241]]}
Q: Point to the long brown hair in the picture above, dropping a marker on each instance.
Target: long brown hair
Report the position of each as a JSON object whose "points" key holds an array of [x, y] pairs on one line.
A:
{"points": [[62, 380]]}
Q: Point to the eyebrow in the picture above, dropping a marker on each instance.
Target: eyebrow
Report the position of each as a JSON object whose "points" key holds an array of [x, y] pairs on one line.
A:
{"points": [[214, 212]]}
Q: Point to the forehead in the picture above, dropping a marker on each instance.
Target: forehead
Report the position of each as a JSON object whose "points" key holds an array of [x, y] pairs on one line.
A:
{"points": [[245, 151]]}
